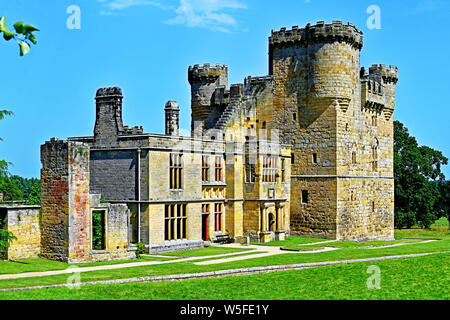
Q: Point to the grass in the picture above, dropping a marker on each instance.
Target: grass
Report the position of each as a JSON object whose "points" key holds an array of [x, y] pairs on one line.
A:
{"points": [[187, 267], [345, 253], [233, 256], [435, 232], [414, 278], [291, 242], [208, 251], [38, 265]]}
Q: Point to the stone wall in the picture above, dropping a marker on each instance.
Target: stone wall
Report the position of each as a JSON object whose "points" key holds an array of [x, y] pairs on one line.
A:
{"points": [[65, 200], [23, 222]]}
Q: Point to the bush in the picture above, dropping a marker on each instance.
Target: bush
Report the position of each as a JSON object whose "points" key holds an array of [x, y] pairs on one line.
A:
{"points": [[140, 249], [6, 238], [404, 220]]}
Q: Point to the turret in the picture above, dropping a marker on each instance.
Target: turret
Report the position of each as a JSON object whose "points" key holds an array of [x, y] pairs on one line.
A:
{"points": [[172, 111], [204, 81], [108, 116], [378, 88]]}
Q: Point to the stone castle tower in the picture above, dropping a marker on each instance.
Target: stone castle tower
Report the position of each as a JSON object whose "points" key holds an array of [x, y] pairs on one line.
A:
{"points": [[337, 118], [340, 125]]}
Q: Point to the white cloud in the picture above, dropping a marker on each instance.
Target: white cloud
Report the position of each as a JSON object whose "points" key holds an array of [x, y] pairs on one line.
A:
{"points": [[112, 6], [426, 6], [192, 13], [207, 14]]}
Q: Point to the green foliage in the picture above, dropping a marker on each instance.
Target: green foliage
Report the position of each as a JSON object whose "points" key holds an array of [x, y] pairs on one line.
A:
{"points": [[10, 190], [34, 198], [443, 205], [140, 249], [24, 36], [6, 237], [16, 188], [404, 220], [103, 200], [98, 230], [416, 170]]}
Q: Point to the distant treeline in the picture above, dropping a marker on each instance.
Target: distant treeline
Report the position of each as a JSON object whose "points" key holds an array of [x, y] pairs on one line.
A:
{"points": [[16, 188]]}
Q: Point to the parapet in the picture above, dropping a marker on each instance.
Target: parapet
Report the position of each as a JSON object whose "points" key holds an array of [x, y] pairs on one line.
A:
{"points": [[388, 74], [109, 92], [206, 72], [319, 33], [172, 105], [133, 130]]}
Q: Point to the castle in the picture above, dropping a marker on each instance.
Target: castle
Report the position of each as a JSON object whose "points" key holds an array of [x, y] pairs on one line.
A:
{"points": [[306, 150]]}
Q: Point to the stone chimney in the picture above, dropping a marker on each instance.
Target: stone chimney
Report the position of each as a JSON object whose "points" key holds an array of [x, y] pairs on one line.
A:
{"points": [[172, 118], [108, 117]]}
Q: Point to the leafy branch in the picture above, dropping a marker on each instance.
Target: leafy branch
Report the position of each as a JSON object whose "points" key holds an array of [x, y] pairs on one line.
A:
{"points": [[24, 35]]}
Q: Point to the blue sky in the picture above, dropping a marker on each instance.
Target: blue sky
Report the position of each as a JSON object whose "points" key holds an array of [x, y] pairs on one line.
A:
{"points": [[145, 47]]}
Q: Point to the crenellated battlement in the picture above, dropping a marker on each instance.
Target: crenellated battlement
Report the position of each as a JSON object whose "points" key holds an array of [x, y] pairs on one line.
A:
{"points": [[319, 33], [109, 92], [207, 72], [389, 74]]}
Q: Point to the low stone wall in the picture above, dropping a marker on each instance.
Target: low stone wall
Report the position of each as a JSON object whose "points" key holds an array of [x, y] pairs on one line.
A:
{"points": [[171, 246], [23, 222]]}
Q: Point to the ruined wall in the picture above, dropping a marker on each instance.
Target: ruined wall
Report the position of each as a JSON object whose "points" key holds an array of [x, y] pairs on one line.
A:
{"points": [[23, 222], [65, 200]]}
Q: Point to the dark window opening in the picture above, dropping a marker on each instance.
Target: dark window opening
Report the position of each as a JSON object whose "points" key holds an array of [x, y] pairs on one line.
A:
{"points": [[304, 196], [314, 158], [3, 216]]}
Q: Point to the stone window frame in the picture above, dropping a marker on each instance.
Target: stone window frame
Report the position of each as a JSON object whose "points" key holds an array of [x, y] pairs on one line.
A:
{"points": [[218, 169], [315, 158], [105, 231], [354, 158], [374, 121], [250, 169], [269, 169], [218, 216], [176, 171], [175, 222], [305, 196], [283, 170], [205, 168]]}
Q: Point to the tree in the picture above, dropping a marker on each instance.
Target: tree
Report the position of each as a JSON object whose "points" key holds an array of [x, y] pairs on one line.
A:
{"points": [[416, 170], [24, 38], [443, 204], [24, 35], [34, 197], [10, 190]]}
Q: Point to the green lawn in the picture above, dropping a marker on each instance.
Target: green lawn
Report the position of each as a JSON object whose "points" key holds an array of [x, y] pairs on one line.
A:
{"points": [[414, 278], [38, 265], [204, 252], [291, 242], [188, 267], [345, 253]]}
